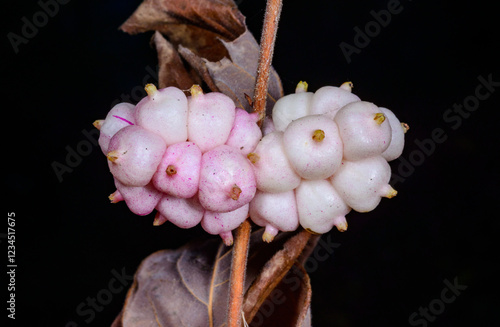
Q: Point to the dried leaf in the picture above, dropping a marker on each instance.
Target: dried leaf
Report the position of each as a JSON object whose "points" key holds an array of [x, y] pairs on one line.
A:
{"points": [[195, 24], [171, 68], [189, 286], [198, 65], [235, 77], [211, 36]]}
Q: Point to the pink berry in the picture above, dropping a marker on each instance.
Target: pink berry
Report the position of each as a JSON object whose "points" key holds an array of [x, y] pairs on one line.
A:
{"points": [[268, 126], [274, 211], [178, 173], [134, 154], [164, 112], [222, 223], [364, 130], [329, 99], [363, 183], [313, 146], [120, 116], [141, 200], [227, 180], [320, 207], [245, 134], [182, 212], [210, 118], [397, 136], [273, 171]]}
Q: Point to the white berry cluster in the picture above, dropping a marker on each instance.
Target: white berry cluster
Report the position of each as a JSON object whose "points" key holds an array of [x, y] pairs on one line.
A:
{"points": [[323, 154], [199, 159]]}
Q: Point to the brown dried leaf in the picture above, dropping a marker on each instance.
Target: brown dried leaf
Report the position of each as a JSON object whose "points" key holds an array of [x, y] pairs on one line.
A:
{"points": [[171, 68], [196, 24], [189, 286], [199, 65], [235, 77]]}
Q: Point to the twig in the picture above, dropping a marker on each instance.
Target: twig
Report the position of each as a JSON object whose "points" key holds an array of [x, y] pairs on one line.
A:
{"points": [[238, 272], [271, 18], [272, 274], [240, 249]]}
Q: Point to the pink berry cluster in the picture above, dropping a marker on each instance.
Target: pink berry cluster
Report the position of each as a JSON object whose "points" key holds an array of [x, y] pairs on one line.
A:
{"points": [[199, 159], [323, 154], [186, 157]]}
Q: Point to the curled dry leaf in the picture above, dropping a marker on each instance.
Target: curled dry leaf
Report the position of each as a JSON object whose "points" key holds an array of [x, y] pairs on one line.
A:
{"points": [[195, 24], [189, 287], [211, 36], [172, 71], [235, 76]]}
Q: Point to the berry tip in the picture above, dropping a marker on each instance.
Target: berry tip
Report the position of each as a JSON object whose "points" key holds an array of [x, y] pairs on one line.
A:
{"points": [[318, 135], [235, 192], [301, 87], [98, 123], [150, 89], [379, 118]]}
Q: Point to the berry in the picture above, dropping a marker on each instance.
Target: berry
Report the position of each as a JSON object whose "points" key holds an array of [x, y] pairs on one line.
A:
{"points": [[245, 134], [222, 223], [227, 180], [292, 107], [329, 99], [141, 200], [273, 171], [210, 118], [363, 183], [320, 206], [182, 212], [134, 154], [164, 112], [178, 173], [274, 211], [313, 146], [364, 130], [397, 136], [120, 116]]}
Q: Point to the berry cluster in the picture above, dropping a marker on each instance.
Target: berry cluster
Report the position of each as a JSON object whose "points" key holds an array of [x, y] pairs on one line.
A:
{"points": [[184, 157], [200, 159], [323, 154]]}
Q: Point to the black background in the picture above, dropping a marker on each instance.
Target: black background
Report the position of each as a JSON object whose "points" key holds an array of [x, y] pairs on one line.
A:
{"points": [[390, 262]]}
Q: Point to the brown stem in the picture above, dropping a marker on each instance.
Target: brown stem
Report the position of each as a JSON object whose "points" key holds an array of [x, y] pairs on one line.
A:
{"points": [[238, 272], [271, 18], [240, 249], [272, 274]]}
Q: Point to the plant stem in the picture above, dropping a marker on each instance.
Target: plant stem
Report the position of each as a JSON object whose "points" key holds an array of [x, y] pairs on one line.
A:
{"points": [[272, 274], [240, 249], [238, 272], [271, 18]]}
